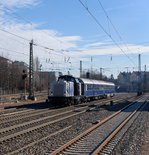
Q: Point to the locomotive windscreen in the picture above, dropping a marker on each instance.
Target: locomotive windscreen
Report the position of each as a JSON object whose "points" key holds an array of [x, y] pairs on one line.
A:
{"points": [[67, 78]]}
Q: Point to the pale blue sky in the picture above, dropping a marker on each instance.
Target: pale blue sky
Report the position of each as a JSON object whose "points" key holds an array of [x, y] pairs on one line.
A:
{"points": [[74, 30]]}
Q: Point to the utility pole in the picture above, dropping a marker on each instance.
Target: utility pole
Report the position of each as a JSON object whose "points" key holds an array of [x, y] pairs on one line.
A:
{"points": [[40, 78], [91, 72], [31, 73], [80, 69], [145, 78], [139, 75], [101, 73], [127, 69], [139, 67], [24, 76], [48, 84]]}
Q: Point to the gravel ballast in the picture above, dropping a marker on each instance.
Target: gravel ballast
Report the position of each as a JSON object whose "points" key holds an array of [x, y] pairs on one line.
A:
{"points": [[80, 124], [132, 140]]}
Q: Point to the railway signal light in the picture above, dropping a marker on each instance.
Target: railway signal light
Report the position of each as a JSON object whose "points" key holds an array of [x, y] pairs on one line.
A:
{"points": [[24, 74]]}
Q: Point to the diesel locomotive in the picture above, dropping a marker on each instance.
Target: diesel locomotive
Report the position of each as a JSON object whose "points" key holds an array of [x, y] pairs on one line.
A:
{"points": [[68, 90]]}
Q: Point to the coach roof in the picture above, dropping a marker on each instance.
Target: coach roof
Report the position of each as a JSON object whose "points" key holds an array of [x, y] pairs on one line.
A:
{"points": [[91, 81]]}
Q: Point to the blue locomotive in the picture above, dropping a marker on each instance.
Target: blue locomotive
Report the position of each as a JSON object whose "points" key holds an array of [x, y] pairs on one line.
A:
{"points": [[68, 90]]}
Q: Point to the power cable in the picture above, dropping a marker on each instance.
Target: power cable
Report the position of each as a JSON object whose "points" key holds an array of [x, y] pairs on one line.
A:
{"points": [[18, 41], [14, 35], [13, 51], [57, 53], [98, 23], [17, 15], [26, 20], [121, 39], [37, 44]]}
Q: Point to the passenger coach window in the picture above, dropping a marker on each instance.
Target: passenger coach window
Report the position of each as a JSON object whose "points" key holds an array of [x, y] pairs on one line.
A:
{"points": [[89, 87], [95, 87]]}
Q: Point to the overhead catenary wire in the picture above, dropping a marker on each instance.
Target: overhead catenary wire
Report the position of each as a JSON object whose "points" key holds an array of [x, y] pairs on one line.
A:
{"points": [[28, 54], [98, 23], [18, 41], [50, 49], [15, 35], [110, 20], [16, 14], [26, 20], [39, 45], [56, 51], [14, 51], [119, 35], [35, 44]]}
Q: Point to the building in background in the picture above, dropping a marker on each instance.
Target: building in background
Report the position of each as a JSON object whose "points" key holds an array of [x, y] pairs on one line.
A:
{"points": [[11, 78], [48, 78], [128, 81], [5, 73], [4, 62], [22, 65], [11, 75]]}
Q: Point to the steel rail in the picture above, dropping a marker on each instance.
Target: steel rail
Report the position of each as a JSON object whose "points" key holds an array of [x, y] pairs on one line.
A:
{"points": [[14, 127], [113, 134], [44, 111], [62, 148], [29, 130], [40, 140], [24, 115], [8, 129]]}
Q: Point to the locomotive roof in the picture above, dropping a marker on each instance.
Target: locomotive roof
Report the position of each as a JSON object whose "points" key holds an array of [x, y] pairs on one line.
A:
{"points": [[91, 81]]}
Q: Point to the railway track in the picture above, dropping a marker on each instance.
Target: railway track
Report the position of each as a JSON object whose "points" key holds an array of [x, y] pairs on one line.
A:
{"points": [[96, 138], [41, 120], [24, 110], [37, 114], [27, 129]]}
